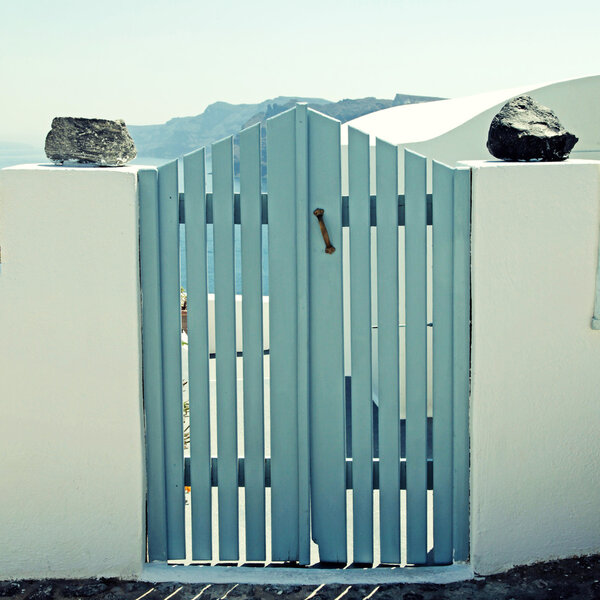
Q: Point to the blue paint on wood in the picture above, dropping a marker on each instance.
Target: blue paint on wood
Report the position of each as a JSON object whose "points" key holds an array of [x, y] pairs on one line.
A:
{"points": [[283, 338], [415, 238], [461, 359], [198, 377], [308, 468], [152, 365], [327, 393], [252, 322], [303, 372], [388, 350], [360, 307], [443, 191], [225, 348], [168, 206]]}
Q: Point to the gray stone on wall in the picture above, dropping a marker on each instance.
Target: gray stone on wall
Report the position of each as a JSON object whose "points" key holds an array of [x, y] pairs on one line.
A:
{"points": [[93, 141]]}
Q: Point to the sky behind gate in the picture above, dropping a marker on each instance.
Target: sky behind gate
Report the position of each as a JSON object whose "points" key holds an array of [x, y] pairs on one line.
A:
{"points": [[150, 60]]}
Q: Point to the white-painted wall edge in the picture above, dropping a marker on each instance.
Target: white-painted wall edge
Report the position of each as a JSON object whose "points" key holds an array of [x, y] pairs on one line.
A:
{"points": [[535, 396], [71, 435]]}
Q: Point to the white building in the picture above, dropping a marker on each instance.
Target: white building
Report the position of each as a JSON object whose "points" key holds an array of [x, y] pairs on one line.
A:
{"points": [[453, 130]]}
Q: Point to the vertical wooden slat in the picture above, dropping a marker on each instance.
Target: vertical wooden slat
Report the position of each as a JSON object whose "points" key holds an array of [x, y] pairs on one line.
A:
{"points": [[327, 389], [198, 354], [281, 169], [152, 365], [302, 270], [416, 356], [388, 350], [225, 348], [168, 206], [443, 182], [252, 326], [359, 207], [461, 348]]}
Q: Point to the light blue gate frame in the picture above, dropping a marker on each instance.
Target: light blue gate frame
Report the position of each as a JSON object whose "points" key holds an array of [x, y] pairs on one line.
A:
{"points": [[310, 467]]}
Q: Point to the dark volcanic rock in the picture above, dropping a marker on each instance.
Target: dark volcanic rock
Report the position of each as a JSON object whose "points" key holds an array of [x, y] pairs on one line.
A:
{"points": [[84, 590], [44, 591], [97, 141], [9, 588], [526, 130]]}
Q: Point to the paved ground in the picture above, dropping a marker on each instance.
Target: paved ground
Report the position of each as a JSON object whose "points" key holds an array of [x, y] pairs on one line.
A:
{"points": [[572, 578]]}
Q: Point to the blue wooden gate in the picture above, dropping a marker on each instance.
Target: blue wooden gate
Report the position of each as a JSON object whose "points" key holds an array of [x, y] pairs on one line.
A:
{"points": [[322, 454]]}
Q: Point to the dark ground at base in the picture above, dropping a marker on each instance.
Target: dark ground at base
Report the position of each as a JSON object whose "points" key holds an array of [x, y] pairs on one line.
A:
{"points": [[571, 578]]}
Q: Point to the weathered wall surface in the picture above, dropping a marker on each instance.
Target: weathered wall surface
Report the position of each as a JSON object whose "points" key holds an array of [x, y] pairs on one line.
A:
{"points": [[71, 437]]}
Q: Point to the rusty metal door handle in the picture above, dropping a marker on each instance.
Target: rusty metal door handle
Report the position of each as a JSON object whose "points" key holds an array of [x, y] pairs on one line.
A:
{"points": [[318, 212]]}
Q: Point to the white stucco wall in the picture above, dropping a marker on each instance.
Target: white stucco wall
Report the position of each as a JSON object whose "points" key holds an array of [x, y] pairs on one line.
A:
{"points": [[535, 403], [71, 445]]}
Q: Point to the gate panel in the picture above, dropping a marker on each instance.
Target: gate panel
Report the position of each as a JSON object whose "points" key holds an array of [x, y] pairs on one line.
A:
{"points": [[327, 393], [252, 322], [359, 212], [168, 209], [198, 356], [415, 350], [283, 318], [152, 365], [388, 350], [443, 192], [306, 463], [225, 348], [303, 367], [460, 352]]}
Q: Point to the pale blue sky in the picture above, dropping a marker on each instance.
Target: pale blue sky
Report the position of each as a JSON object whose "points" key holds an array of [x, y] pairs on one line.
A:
{"points": [[149, 60]]}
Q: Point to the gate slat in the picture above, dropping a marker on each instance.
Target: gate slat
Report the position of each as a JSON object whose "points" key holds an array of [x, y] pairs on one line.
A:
{"points": [[327, 387], [416, 356], [462, 306], [302, 262], [168, 206], [198, 359], [359, 208], [281, 170], [443, 181], [225, 348], [152, 365], [252, 325], [388, 350]]}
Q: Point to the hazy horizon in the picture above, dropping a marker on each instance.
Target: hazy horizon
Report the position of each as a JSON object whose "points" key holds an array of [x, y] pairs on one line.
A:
{"points": [[147, 61], [32, 143]]}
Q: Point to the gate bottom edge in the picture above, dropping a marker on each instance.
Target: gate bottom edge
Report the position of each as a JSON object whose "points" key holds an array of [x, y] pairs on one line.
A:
{"points": [[162, 572]]}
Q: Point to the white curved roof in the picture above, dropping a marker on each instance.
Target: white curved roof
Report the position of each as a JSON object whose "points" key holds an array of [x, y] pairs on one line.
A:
{"points": [[452, 131], [413, 123]]}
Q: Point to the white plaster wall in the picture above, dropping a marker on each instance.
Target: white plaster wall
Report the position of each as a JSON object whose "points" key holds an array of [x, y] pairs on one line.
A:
{"points": [[71, 438], [535, 398]]}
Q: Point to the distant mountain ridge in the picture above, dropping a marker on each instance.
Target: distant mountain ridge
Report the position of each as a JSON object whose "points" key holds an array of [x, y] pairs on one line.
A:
{"points": [[344, 110], [184, 134]]}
